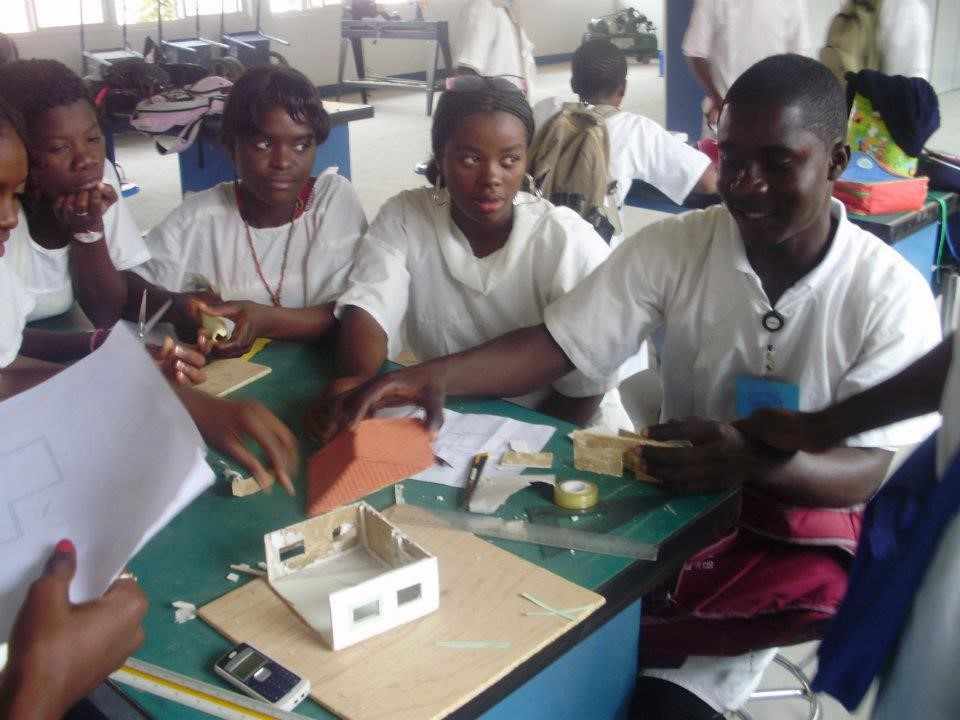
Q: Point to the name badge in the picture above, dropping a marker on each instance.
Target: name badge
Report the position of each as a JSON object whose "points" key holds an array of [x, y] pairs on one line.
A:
{"points": [[755, 393]]}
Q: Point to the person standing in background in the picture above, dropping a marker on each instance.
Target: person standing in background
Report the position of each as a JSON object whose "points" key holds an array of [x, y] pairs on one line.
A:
{"points": [[905, 38], [492, 42], [725, 37]]}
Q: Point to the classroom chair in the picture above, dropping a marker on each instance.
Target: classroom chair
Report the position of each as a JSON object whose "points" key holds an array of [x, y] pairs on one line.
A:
{"points": [[802, 691]]}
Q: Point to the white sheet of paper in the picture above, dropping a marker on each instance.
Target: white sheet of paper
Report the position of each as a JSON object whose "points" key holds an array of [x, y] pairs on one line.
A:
{"points": [[103, 454], [464, 435]]}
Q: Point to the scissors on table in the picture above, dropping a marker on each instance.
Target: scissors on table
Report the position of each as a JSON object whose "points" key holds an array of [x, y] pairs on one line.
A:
{"points": [[144, 326]]}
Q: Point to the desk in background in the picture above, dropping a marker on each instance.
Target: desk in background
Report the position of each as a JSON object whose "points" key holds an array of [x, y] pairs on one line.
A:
{"points": [[915, 235], [589, 672], [353, 32]]}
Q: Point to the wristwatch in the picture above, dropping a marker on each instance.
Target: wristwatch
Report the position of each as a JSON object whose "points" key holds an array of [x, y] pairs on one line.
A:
{"points": [[88, 237]]}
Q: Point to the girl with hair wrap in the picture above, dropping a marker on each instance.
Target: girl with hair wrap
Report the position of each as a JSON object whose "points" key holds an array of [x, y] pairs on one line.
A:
{"points": [[446, 268]]}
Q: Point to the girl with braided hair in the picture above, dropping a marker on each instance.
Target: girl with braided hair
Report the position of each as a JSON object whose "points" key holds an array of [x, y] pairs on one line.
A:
{"points": [[448, 267]]}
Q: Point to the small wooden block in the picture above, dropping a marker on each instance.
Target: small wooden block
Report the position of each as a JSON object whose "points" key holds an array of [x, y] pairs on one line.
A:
{"points": [[242, 487], [225, 376], [380, 452], [511, 458], [609, 454]]}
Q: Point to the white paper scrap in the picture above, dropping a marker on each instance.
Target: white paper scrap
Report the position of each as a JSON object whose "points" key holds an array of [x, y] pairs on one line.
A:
{"points": [[464, 435], [103, 454]]}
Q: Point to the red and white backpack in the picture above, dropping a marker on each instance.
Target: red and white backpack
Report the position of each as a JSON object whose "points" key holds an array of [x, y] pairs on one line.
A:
{"points": [[182, 110]]}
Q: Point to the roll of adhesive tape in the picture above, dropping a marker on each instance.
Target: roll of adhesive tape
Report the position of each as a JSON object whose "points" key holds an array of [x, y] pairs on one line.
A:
{"points": [[575, 494], [218, 328]]}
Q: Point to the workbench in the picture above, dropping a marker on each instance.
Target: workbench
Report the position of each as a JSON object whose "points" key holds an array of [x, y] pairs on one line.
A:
{"points": [[588, 672], [353, 32]]}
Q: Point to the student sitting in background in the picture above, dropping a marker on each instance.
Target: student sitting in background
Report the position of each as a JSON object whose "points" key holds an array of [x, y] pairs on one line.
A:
{"points": [[639, 148], [59, 651], [272, 250], [224, 424], [473, 257], [775, 293], [78, 235]]}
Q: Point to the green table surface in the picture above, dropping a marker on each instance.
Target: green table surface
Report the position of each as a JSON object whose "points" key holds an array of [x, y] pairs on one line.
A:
{"points": [[190, 558]]}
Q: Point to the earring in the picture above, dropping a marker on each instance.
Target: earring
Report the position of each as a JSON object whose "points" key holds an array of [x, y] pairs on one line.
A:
{"points": [[438, 194], [532, 187]]}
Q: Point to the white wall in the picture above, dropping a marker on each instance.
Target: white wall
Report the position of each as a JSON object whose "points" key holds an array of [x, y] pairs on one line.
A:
{"points": [[554, 26]]}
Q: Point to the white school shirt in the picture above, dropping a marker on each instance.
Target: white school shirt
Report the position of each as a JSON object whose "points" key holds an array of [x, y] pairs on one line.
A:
{"points": [[417, 276], [203, 243], [905, 38], [492, 42], [46, 272], [735, 34], [15, 305], [641, 149], [921, 681], [860, 316]]}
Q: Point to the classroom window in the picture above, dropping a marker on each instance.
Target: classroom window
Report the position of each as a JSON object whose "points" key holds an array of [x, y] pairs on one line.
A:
{"points": [[14, 19], [145, 11], [282, 6], [57, 13]]}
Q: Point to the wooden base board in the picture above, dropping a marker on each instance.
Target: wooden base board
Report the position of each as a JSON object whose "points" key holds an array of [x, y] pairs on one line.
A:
{"points": [[225, 376], [411, 672]]}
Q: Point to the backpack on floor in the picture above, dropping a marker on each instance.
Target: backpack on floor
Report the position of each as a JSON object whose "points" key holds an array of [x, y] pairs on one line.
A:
{"points": [[183, 109], [852, 43], [570, 163]]}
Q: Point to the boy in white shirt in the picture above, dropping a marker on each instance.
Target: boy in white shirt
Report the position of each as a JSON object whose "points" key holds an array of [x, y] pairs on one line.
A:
{"points": [[640, 149], [775, 293], [492, 42]]}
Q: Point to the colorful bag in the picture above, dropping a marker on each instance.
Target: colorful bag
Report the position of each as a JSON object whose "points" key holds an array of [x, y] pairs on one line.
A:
{"points": [[868, 189], [868, 133], [775, 580], [183, 108]]}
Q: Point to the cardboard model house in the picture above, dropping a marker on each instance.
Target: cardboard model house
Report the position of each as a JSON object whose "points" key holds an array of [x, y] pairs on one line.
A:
{"points": [[379, 452], [350, 574]]}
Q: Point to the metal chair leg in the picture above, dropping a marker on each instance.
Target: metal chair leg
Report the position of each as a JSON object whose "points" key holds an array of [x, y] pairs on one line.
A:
{"points": [[804, 692]]}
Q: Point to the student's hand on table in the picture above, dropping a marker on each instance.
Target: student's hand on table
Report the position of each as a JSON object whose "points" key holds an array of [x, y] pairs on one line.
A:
{"points": [[83, 210], [180, 362], [250, 322], [786, 430], [186, 310], [60, 651], [227, 425], [403, 387], [719, 458], [323, 415]]}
